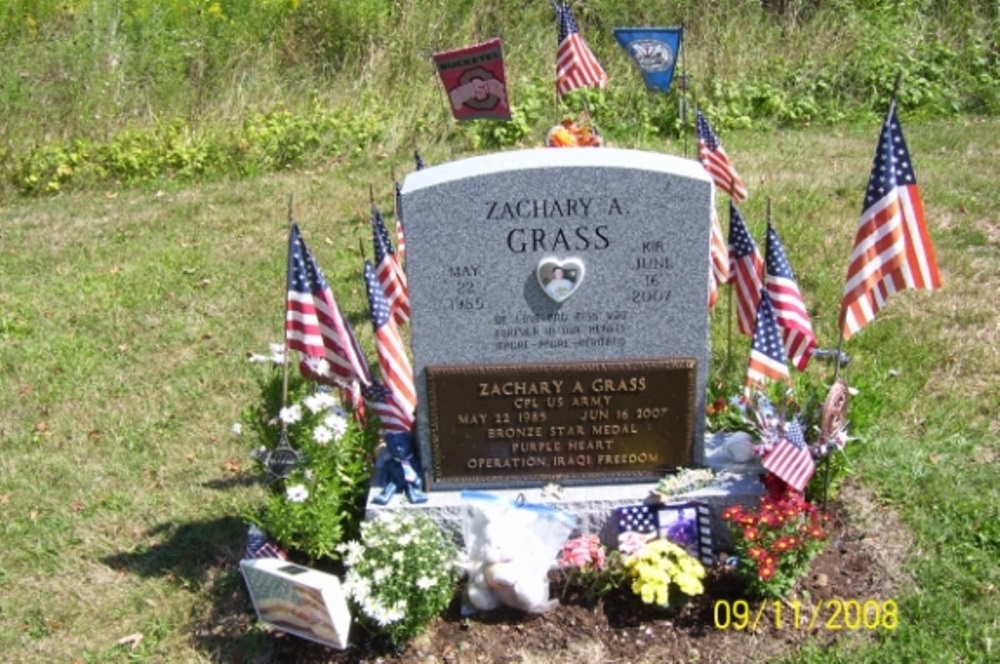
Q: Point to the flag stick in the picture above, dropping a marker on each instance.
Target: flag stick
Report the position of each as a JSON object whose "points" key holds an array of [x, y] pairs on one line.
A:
{"points": [[683, 96], [447, 110], [288, 271]]}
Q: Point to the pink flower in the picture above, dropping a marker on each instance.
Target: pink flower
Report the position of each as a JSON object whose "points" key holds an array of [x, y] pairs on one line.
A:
{"points": [[630, 543], [582, 552]]}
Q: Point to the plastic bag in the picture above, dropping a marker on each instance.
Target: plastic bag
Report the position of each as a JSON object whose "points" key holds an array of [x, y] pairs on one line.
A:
{"points": [[510, 547]]}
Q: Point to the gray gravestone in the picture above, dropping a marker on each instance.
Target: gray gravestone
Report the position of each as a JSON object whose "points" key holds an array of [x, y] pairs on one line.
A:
{"points": [[560, 321]]}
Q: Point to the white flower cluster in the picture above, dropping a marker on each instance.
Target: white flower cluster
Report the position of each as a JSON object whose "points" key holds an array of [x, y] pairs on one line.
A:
{"points": [[392, 570], [685, 480]]}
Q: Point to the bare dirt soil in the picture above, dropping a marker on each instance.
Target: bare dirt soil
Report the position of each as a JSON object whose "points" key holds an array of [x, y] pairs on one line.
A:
{"points": [[860, 563]]}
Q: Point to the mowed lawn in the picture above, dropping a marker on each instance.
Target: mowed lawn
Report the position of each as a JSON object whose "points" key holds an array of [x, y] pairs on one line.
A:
{"points": [[126, 317]]}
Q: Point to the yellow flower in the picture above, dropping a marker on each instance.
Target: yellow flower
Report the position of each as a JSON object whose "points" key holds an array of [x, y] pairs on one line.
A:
{"points": [[689, 585]]}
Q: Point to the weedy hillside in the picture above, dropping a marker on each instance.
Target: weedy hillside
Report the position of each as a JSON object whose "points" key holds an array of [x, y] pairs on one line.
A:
{"points": [[141, 91]]}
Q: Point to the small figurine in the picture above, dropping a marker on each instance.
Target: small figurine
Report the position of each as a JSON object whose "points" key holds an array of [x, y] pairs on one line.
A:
{"points": [[400, 469], [507, 569]]}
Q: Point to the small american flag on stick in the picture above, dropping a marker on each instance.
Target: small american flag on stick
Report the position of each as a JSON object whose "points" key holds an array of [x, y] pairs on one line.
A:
{"points": [[892, 249], [314, 324], [745, 271], [715, 160], [790, 459], [394, 363], [789, 308], [576, 66]]}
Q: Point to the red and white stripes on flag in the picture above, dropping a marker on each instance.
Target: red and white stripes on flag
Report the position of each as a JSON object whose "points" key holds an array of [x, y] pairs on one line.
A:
{"points": [[314, 324], [789, 308], [746, 269], [719, 254], [389, 272], [392, 417], [892, 249], [576, 66], [715, 160], [767, 354], [790, 458], [394, 363]]}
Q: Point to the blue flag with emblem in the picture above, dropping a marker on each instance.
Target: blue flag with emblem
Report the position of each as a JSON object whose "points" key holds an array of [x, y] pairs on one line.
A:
{"points": [[655, 51]]}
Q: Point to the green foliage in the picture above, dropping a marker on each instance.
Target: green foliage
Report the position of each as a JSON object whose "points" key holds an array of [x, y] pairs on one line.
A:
{"points": [[97, 93], [401, 574], [174, 150], [321, 503]]}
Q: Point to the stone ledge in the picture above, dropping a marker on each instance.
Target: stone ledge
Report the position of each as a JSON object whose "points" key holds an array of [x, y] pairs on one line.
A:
{"points": [[593, 504]]}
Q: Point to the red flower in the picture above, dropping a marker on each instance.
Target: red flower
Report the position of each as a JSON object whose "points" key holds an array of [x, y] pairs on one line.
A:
{"points": [[765, 572], [756, 553], [782, 544], [768, 519], [750, 534], [732, 512]]}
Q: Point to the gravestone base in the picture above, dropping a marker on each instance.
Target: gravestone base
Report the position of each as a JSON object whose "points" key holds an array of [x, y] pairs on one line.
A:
{"points": [[593, 504]]}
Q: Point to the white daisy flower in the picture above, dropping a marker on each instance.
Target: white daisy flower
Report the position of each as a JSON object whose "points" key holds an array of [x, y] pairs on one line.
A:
{"points": [[297, 493], [322, 435], [318, 366], [336, 420], [426, 583], [291, 414], [236, 429], [319, 401]]}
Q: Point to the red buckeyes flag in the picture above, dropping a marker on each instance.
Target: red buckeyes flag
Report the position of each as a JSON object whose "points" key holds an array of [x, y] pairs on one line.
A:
{"points": [[475, 82]]}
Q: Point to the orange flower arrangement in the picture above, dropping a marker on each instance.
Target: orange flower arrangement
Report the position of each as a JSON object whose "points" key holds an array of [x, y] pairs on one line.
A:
{"points": [[571, 134]]}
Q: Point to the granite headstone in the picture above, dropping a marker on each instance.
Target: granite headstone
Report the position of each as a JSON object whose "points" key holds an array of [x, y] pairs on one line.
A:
{"points": [[560, 322]]}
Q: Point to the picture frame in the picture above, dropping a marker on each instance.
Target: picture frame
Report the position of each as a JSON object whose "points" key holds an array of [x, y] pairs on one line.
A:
{"points": [[689, 525], [298, 600]]}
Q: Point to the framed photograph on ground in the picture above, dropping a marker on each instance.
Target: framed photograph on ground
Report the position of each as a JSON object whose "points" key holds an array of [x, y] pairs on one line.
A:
{"points": [[298, 600], [688, 525]]}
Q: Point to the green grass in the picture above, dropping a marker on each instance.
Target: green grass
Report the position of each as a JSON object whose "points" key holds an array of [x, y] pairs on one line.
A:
{"points": [[126, 316]]}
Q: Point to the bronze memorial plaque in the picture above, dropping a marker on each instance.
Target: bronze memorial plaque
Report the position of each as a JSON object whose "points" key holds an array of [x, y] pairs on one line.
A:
{"points": [[578, 422]]}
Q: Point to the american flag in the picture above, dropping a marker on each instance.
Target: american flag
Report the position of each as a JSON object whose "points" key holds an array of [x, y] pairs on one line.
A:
{"points": [[790, 459], [576, 66], [719, 253], [393, 418], [260, 546], [789, 308], [639, 518], [314, 324], [746, 269], [387, 268], [715, 160], [400, 237], [767, 354], [892, 248], [397, 373]]}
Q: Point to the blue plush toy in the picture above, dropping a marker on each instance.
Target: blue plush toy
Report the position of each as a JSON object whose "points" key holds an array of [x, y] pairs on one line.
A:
{"points": [[400, 469]]}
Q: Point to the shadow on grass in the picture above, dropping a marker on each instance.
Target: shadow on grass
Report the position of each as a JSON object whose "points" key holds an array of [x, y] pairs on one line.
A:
{"points": [[190, 553], [204, 556]]}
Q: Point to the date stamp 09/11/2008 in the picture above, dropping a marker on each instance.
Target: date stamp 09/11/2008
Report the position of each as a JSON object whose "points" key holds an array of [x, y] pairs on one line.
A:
{"points": [[830, 615]]}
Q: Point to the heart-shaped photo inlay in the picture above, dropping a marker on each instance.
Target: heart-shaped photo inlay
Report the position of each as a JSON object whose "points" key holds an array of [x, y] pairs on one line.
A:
{"points": [[559, 278]]}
